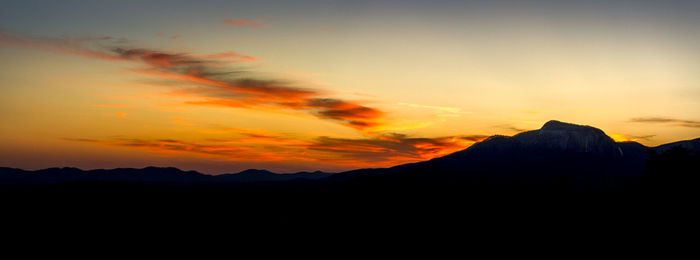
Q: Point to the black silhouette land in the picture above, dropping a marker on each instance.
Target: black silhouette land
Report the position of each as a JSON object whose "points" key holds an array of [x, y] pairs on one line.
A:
{"points": [[560, 176]]}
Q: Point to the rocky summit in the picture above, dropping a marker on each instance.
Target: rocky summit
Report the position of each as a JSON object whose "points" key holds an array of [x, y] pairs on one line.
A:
{"points": [[559, 136]]}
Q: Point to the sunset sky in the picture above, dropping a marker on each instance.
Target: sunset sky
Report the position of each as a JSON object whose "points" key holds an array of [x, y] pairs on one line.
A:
{"points": [[222, 86]]}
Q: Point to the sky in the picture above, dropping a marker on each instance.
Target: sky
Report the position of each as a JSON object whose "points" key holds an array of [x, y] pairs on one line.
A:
{"points": [[223, 86]]}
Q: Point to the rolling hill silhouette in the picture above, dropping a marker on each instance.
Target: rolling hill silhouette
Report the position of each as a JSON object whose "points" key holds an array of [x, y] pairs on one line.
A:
{"points": [[562, 175], [567, 154], [148, 175]]}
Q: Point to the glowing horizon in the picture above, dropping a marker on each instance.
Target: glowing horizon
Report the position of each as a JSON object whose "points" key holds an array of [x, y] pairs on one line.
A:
{"points": [[332, 86]]}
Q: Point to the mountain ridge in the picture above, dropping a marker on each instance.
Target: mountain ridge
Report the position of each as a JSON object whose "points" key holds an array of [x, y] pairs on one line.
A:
{"points": [[149, 174], [555, 147], [579, 152]]}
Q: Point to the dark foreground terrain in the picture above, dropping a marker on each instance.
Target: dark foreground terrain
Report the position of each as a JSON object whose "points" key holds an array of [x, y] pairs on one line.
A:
{"points": [[562, 180]]}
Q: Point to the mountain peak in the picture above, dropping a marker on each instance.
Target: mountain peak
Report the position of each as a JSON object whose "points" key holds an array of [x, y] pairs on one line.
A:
{"points": [[561, 136], [554, 125]]}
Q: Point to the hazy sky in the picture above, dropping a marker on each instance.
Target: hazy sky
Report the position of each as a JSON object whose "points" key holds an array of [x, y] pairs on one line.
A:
{"points": [[221, 86]]}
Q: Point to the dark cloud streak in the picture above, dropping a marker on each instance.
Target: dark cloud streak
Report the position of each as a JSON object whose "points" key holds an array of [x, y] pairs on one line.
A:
{"points": [[215, 83], [379, 151], [665, 120], [395, 148]]}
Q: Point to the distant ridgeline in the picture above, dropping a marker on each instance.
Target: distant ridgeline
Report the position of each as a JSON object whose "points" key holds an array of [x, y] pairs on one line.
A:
{"points": [[558, 155], [564, 179], [149, 175]]}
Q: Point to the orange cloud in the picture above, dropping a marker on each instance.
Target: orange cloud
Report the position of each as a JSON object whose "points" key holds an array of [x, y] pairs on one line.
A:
{"points": [[232, 57], [353, 115], [154, 58], [391, 150], [168, 146], [252, 93], [210, 84], [265, 139], [257, 23]]}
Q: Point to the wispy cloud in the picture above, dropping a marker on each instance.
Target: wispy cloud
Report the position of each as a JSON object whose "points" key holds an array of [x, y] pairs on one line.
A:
{"points": [[264, 139], [441, 111], [354, 115], [210, 82], [84, 140], [438, 108], [642, 137], [232, 57], [666, 120], [207, 81], [630, 138], [393, 149], [380, 151], [512, 128], [256, 23], [85, 47]]}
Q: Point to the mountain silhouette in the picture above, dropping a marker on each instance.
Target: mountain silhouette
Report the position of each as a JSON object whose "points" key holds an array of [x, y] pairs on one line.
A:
{"points": [[578, 155], [560, 178], [148, 175], [581, 156]]}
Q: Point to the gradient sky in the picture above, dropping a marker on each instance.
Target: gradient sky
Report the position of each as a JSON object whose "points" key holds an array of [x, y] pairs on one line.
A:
{"points": [[221, 86]]}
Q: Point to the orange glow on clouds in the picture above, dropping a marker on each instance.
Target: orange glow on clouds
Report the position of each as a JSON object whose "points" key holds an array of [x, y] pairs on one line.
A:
{"points": [[196, 102], [625, 138], [266, 147], [231, 57]]}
